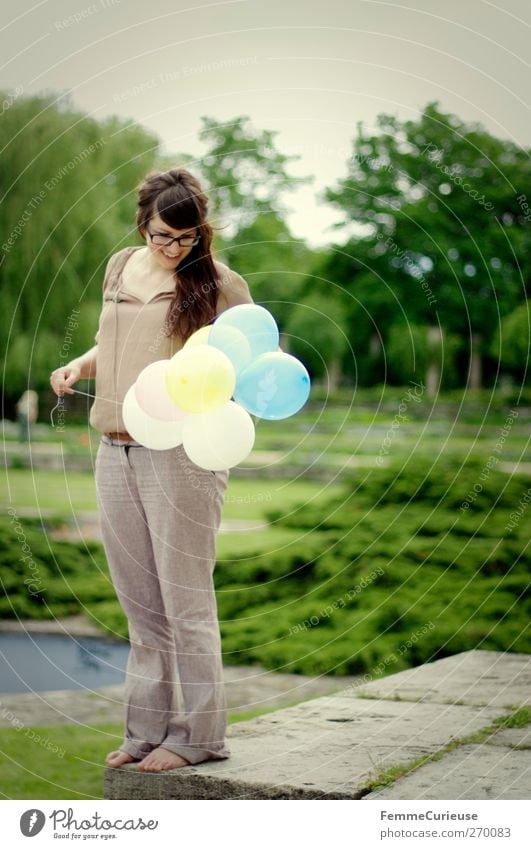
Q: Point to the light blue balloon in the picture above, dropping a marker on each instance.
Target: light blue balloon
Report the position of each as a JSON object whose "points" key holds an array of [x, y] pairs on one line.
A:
{"points": [[255, 322], [274, 386], [233, 343]]}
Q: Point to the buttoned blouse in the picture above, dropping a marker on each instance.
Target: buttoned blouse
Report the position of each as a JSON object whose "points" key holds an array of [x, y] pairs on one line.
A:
{"points": [[131, 335]]}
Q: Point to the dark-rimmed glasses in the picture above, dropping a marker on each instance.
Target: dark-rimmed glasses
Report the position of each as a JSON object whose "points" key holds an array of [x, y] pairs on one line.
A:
{"points": [[162, 239]]}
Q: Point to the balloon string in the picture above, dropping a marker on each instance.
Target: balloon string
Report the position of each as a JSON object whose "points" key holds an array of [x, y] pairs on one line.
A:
{"points": [[79, 392], [89, 395]]}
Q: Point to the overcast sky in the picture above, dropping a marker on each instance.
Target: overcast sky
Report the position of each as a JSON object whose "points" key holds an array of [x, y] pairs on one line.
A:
{"points": [[309, 70]]}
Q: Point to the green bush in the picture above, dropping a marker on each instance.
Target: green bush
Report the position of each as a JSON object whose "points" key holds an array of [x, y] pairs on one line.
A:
{"points": [[396, 563], [460, 571], [43, 578]]}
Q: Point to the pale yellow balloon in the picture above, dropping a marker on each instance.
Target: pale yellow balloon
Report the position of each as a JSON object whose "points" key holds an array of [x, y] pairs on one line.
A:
{"points": [[199, 337], [200, 378], [220, 439]]}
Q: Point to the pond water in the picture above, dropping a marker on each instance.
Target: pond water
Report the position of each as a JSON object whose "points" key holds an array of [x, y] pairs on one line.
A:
{"points": [[37, 662]]}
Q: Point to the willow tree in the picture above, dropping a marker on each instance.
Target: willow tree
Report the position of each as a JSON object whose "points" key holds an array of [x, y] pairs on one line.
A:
{"points": [[68, 200]]}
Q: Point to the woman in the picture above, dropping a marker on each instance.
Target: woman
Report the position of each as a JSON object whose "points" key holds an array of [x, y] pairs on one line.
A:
{"points": [[159, 512]]}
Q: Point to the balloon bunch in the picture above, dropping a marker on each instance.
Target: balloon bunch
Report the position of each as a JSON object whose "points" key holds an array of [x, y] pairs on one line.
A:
{"points": [[187, 399]]}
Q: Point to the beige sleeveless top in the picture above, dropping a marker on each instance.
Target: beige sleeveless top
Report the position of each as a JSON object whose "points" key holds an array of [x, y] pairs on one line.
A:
{"points": [[131, 335]]}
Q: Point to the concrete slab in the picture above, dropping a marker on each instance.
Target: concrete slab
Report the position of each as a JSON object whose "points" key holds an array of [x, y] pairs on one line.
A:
{"points": [[472, 678], [328, 748], [469, 772], [510, 737]]}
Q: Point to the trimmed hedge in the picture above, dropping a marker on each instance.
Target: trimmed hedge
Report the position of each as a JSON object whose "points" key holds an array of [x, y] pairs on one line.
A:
{"points": [[397, 573]]}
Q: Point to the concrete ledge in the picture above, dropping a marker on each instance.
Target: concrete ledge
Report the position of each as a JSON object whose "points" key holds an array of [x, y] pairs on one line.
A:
{"points": [[334, 746], [181, 784], [471, 678], [470, 772]]}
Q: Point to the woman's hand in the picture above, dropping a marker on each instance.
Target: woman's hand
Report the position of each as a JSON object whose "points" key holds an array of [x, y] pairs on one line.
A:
{"points": [[62, 378]]}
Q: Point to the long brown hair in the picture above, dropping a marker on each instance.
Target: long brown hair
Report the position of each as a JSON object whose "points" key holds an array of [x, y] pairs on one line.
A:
{"points": [[177, 196]]}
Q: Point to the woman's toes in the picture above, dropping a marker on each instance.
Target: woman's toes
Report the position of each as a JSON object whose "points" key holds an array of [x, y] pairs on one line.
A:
{"points": [[118, 758], [161, 759]]}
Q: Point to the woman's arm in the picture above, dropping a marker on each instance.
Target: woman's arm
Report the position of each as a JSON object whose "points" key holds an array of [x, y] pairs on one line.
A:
{"points": [[84, 366]]}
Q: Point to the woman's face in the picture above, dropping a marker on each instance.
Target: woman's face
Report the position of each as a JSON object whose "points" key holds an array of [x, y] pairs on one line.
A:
{"points": [[167, 256]]}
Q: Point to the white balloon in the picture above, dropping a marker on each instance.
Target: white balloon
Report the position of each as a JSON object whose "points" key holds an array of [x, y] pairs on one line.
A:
{"points": [[151, 433], [150, 392], [219, 439]]}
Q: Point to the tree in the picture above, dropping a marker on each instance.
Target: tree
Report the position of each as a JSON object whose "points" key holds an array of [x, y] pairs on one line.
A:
{"points": [[317, 333], [511, 346], [68, 202], [246, 174], [247, 179], [420, 354], [274, 263], [443, 209]]}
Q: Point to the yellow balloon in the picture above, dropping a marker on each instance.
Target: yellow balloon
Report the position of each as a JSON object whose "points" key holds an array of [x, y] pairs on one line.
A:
{"points": [[200, 378], [199, 337]]}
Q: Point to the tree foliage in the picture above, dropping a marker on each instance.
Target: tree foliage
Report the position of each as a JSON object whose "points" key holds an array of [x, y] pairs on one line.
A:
{"points": [[445, 235], [68, 200], [435, 233], [247, 176]]}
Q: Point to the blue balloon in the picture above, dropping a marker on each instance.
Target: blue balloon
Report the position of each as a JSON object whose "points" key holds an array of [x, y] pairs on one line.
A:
{"points": [[233, 343], [255, 322], [274, 386]]}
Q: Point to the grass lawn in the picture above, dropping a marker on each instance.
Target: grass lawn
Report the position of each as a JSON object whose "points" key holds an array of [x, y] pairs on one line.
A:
{"points": [[31, 768], [245, 499], [53, 491], [235, 545]]}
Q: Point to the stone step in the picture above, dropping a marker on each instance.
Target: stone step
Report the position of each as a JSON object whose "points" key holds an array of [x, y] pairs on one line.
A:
{"points": [[488, 771], [333, 747], [471, 677]]}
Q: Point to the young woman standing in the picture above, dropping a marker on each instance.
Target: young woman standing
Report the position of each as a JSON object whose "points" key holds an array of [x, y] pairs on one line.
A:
{"points": [[159, 512]]}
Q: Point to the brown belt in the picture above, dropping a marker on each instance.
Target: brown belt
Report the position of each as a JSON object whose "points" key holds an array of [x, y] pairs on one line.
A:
{"points": [[122, 436]]}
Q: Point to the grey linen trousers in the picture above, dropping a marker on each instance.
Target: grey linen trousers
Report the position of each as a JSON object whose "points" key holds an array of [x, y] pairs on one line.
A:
{"points": [[159, 516]]}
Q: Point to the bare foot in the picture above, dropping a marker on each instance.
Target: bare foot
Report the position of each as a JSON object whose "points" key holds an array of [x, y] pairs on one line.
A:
{"points": [[118, 758], [160, 759]]}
